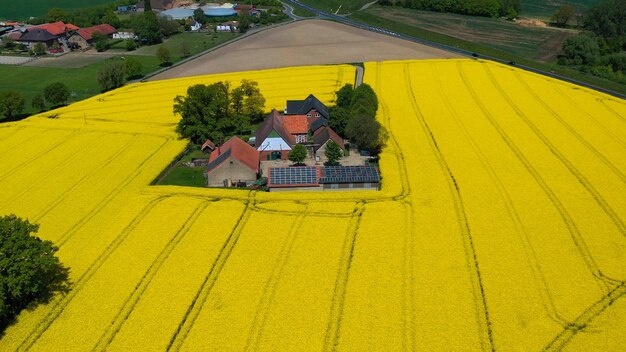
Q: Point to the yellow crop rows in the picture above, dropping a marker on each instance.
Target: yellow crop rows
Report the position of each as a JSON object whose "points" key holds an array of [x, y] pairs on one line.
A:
{"points": [[500, 224]]}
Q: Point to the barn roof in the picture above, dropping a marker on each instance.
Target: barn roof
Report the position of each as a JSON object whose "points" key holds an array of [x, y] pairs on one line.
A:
{"points": [[237, 149], [273, 122], [58, 28], [87, 33], [325, 133]]}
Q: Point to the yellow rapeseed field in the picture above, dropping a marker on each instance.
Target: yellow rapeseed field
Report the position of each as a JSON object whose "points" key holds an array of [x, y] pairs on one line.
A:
{"points": [[499, 226]]}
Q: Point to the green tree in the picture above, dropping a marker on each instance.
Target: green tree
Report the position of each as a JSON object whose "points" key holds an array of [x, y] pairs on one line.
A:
{"points": [[11, 103], [366, 132], [344, 96], [184, 49], [30, 272], [199, 16], [38, 103], [101, 41], [168, 26], [40, 49], [56, 93], [56, 14], [298, 154], [244, 22], [364, 98], [563, 15], [111, 75], [8, 42], [133, 68], [130, 45], [339, 118], [164, 55], [581, 49], [202, 112], [146, 27], [333, 153], [248, 100]]}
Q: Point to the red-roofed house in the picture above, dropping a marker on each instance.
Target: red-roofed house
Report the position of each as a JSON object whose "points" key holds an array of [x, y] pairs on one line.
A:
{"points": [[58, 28], [251, 9], [233, 162], [84, 37]]}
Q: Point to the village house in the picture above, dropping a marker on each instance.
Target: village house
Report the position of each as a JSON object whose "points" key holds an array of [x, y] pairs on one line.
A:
{"points": [[59, 28], [250, 9], [233, 163], [84, 37], [38, 35], [311, 107]]}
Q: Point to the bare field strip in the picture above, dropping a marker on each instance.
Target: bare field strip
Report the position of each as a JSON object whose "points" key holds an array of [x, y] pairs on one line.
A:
{"points": [[308, 42]]}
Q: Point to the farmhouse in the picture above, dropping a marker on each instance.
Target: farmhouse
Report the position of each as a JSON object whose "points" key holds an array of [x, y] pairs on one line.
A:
{"points": [[38, 35], [234, 162], [84, 37], [273, 140], [321, 137], [59, 28], [323, 178], [311, 107]]}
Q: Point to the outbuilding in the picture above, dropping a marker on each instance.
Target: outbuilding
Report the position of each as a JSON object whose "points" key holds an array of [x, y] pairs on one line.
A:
{"points": [[233, 163]]}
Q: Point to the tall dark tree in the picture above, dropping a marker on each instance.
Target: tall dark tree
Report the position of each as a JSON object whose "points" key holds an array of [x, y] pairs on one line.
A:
{"points": [[339, 117], [11, 103], [366, 132], [563, 15], [344, 96], [111, 75], [146, 27], [333, 153], [199, 16], [29, 270], [56, 93], [133, 68], [38, 103], [164, 55]]}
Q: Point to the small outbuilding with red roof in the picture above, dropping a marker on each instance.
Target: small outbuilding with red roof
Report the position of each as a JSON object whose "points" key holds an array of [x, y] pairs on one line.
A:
{"points": [[84, 37], [234, 162]]}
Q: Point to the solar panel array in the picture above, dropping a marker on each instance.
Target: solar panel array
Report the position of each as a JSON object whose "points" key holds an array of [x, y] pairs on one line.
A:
{"points": [[304, 175], [218, 160], [349, 174]]}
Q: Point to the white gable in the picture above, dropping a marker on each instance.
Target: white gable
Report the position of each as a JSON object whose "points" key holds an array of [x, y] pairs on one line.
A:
{"points": [[273, 143]]}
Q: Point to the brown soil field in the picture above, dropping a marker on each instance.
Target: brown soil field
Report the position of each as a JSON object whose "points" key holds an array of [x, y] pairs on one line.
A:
{"points": [[308, 42]]}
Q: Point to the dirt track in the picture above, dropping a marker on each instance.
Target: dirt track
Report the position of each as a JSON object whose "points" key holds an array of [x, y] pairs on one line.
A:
{"points": [[310, 42]]}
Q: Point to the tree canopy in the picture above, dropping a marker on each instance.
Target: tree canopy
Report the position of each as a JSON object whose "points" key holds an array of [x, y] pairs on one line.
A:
{"points": [[146, 27], [11, 103], [56, 93], [215, 111], [298, 154], [111, 75], [29, 270], [333, 153]]}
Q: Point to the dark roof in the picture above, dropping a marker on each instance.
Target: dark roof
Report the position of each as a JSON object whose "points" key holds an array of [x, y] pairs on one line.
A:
{"points": [[322, 135], [317, 123], [295, 176], [237, 149], [349, 174], [37, 35], [273, 122], [301, 107]]}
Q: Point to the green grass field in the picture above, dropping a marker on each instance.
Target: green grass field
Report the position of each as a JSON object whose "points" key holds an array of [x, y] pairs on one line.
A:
{"points": [[536, 43], [185, 176], [344, 6], [82, 81], [543, 10], [22, 10], [448, 40]]}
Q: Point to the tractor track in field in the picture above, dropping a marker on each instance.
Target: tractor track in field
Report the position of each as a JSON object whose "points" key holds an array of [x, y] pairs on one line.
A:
{"points": [[82, 180], [40, 155], [11, 145], [333, 328], [409, 325], [531, 255], [567, 126], [188, 320], [58, 306], [131, 302], [566, 162], [589, 116], [480, 296], [404, 178], [105, 201], [556, 202], [586, 318], [269, 290], [613, 112], [51, 171]]}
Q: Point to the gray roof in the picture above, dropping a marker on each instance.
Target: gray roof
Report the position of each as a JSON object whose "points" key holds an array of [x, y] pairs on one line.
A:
{"points": [[37, 35], [301, 107], [320, 122]]}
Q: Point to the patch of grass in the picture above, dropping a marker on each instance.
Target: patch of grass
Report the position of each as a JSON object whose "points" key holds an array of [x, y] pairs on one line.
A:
{"points": [[196, 43], [302, 12], [344, 6], [185, 176], [370, 19], [530, 42], [543, 10], [22, 10]]}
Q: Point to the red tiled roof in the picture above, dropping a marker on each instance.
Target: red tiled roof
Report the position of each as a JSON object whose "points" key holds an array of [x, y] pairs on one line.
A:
{"points": [[208, 144], [295, 124], [239, 150], [58, 28], [106, 29]]}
